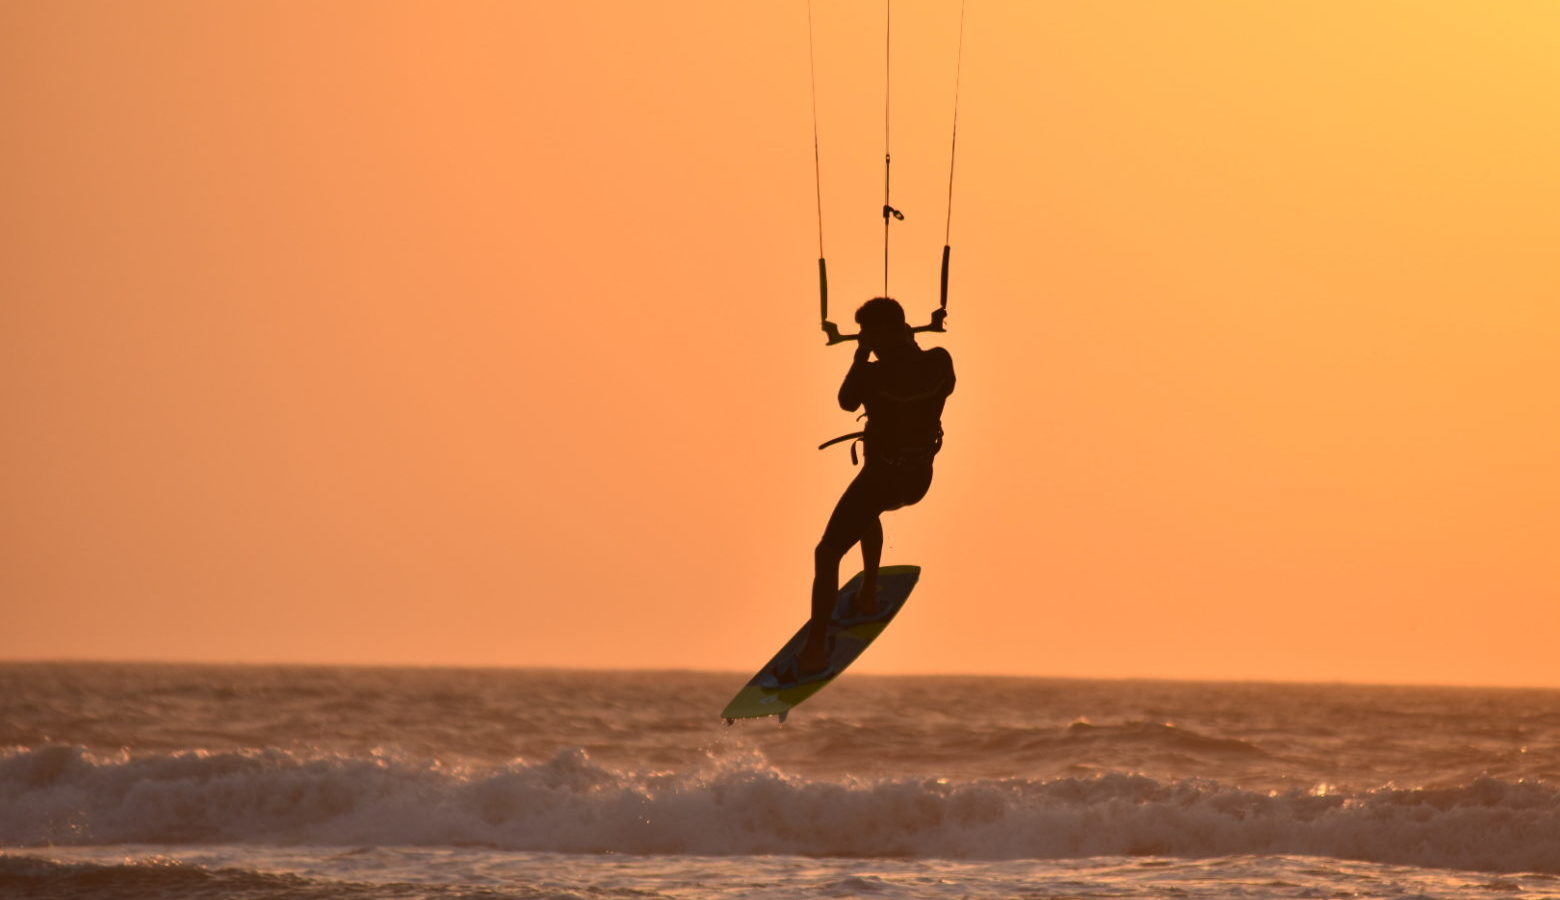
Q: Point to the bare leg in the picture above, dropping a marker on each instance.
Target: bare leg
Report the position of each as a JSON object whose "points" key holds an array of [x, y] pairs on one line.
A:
{"points": [[854, 517], [826, 579], [871, 557]]}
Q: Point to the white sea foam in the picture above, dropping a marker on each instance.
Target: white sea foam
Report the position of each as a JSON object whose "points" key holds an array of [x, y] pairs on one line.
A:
{"points": [[741, 805]]}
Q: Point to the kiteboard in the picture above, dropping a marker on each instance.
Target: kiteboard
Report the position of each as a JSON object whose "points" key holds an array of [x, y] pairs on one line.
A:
{"points": [[776, 689]]}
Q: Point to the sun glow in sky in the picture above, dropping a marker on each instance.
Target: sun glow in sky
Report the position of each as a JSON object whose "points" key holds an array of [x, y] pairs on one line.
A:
{"points": [[486, 333]]}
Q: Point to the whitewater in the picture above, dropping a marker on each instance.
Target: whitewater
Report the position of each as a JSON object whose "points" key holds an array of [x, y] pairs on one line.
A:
{"points": [[168, 781]]}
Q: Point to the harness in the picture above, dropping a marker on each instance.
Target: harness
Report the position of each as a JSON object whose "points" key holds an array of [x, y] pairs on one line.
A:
{"points": [[855, 437], [899, 457]]}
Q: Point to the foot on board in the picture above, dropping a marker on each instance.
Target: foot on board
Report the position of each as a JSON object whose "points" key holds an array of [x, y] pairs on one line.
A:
{"points": [[794, 672]]}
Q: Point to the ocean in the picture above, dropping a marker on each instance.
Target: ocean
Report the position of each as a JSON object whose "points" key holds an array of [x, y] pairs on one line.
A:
{"points": [[185, 781]]}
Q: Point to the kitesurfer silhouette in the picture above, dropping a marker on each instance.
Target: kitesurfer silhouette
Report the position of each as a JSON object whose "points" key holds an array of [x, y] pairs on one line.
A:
{"points": [[903, 390]]}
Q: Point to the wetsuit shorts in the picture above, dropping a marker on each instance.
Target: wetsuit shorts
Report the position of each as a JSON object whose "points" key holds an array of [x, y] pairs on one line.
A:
{"points": [[894, 483]]}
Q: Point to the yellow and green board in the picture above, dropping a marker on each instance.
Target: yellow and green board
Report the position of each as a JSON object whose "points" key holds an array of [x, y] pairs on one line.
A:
{"points": [[767, 695]]}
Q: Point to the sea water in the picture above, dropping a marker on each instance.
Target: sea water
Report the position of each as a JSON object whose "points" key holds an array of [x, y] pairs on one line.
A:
{"points": [[163, 781]]}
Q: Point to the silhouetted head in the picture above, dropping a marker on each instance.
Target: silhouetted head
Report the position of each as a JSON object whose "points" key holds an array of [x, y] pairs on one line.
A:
{"points": [[883, 327]]}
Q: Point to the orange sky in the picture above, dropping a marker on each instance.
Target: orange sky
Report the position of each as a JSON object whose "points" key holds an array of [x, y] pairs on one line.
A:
{"points": [[485, 332]]}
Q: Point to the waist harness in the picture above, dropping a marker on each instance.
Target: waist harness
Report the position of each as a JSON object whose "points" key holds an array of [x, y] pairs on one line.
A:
{"points": [[899, 457]]}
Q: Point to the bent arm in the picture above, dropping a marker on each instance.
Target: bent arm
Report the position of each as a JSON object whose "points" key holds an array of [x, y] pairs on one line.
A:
{"points": [[853, 390]]}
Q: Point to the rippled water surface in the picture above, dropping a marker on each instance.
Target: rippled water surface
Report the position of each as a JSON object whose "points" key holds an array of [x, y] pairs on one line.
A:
{"points": [[278, 781]]}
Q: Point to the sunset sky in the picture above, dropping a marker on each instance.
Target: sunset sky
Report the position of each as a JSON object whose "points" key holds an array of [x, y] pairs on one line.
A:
{"points": [[486, 333]]}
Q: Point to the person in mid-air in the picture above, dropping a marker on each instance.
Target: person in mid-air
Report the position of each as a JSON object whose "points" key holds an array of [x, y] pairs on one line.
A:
{"points": [[904, 391]]}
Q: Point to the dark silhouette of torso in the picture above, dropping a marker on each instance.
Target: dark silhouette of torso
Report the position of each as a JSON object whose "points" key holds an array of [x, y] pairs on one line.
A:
{"points": [[904, 399]]}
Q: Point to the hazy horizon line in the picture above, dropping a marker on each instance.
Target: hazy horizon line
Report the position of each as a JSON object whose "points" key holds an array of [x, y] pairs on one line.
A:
{"points": [[257, 664]]}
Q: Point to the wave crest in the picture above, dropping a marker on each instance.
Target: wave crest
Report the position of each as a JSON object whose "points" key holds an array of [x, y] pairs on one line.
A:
{"points": [[741, 805]]}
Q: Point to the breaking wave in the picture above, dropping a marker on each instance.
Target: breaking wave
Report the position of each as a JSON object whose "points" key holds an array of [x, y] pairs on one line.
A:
{"points": [[741, 805]]}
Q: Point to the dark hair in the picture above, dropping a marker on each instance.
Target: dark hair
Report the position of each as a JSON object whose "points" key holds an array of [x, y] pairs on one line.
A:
{"points": [[880, 313]]}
